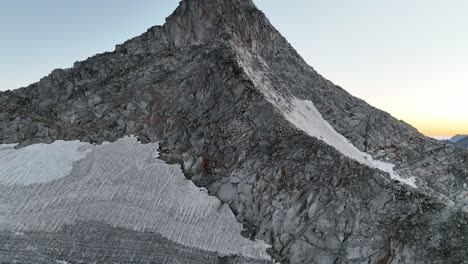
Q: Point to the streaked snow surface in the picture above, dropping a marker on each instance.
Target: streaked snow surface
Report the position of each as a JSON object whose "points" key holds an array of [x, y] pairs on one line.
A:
{"points": [[40, 162], [120, 183], [304, 116]]}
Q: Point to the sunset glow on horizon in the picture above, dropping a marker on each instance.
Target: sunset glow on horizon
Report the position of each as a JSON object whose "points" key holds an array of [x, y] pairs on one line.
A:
{"points": [[439, 128], [438, 110]]}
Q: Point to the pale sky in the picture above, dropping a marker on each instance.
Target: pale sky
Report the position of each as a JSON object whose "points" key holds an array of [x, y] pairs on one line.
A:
{"points": [[409, 58]]}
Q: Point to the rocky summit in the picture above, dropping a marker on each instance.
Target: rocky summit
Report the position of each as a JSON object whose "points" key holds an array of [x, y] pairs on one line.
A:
{"points": [[280, 164]]}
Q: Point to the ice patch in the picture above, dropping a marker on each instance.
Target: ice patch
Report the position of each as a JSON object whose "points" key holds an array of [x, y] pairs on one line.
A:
{"points": [[303, 115], [39, 163]]}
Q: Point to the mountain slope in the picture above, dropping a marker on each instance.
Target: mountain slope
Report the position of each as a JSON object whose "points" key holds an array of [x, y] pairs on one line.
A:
{"points": [[456, 138], [463, 142], [301, 163]]}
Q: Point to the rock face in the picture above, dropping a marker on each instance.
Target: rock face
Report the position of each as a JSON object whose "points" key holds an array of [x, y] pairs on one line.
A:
{"points": [[217, 86], [463, 142], [459, 140]]}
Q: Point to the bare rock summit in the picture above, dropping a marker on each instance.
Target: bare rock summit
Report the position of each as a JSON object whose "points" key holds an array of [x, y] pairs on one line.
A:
{"points": [[317, 174]]}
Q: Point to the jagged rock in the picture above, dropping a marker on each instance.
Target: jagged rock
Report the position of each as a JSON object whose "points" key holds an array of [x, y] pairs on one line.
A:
{"points": [[457, 137], [216, 86], [460, 140]]}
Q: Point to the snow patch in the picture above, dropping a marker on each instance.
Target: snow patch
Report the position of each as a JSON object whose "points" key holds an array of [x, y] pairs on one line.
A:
{"points": [[303, 115], [122, 184], [39, 163]]}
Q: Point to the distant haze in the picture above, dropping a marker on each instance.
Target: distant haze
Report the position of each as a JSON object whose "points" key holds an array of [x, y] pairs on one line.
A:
{"points": [[408, 58]]}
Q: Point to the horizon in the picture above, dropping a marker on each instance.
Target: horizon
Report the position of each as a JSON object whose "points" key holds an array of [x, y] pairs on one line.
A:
{"points": [[407, 59]]}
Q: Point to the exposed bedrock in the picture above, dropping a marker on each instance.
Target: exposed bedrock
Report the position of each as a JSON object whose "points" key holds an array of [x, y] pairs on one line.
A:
{"points": [[203, 86]]}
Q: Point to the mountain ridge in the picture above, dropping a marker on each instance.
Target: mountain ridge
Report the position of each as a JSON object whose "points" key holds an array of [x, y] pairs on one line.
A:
{"points": [[463, 142], [460, 140], [165, 86], [457, 137]]}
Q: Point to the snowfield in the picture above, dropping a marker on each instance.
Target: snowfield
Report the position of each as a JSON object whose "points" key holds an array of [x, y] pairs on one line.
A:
{"points": [[40, 162], [45, 187]]}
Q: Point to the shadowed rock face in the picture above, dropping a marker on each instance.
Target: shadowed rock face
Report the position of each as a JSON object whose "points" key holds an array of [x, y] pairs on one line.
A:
{"points": [[457, 137], [208, 85], [460, 140], [463, 142]]}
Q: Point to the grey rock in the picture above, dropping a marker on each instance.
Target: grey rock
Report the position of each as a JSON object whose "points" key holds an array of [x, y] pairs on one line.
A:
{"points": [[457, 137], [227, 192], [463, 142]]}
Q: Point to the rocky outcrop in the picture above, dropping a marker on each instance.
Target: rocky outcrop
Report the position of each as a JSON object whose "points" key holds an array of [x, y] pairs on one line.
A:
{"points": [[459, 140], [463, 142], [206, 85]]}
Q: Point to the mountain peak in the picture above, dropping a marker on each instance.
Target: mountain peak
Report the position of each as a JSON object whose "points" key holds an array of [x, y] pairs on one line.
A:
{"points": [[197, 22], [200, 21], [316, 173]]}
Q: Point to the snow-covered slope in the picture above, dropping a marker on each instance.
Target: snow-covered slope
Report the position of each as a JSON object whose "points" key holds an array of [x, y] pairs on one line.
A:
{"points": [[40, 162], [304, 116], [122, 184]]}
